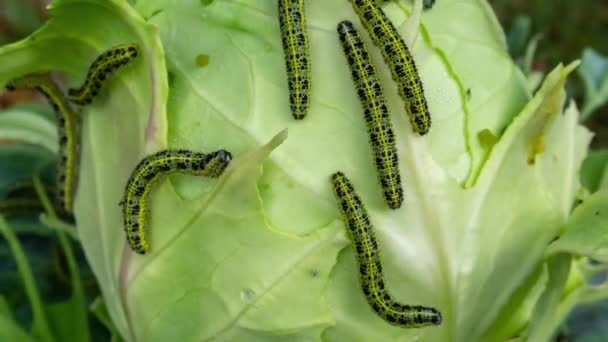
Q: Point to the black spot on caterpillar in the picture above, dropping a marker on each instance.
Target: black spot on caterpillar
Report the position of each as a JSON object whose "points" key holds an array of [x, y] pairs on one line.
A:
{"points": [[369, 262], [377, 116], [292, 20], [400, 61], [100, 71], [150, 170], [68, 130]]}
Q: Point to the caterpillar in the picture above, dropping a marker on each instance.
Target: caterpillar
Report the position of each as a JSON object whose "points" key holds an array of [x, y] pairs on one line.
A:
{"points": [[375, 110], [292, 21], [151, 169], [101, 70], [369, 262], [68, 130], [400, 61]]}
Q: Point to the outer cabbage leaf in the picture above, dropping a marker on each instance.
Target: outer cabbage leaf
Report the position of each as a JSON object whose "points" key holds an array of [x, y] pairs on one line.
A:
{"points": [[115, 129]]}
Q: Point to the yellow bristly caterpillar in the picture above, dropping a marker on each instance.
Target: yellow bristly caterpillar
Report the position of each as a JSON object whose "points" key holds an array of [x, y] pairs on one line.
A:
{"points": [[150, 170], [369, 262], [292, 20], [68, 130], [400, 61], [101, 70], [377, 116]]}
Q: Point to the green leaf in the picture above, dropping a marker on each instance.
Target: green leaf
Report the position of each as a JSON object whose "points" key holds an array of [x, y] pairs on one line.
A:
{"points": [[29, 225], [529, 58], [5, 311], [497, 196], [40, 326], [20, 162], [9, 329], [497, 86], [22, 16], [68, 319], [516, 313], [11, 283], [577, 292], [98, 307], [60, 226], [594, 73], [26, 126], [594, 172], [546, 317], [534, 80], [519, 34], [586, 231], [239, 305]]}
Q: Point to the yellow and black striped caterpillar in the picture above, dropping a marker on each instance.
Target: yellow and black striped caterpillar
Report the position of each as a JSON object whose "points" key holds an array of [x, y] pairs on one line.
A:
{"points": [[101, 70], [68, 130], [292, 20], [377, 116], [151, 169], [400, 60], [369, 262]]}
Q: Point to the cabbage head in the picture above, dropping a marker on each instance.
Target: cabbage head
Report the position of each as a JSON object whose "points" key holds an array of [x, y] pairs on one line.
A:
{"points": [[496, 231]]}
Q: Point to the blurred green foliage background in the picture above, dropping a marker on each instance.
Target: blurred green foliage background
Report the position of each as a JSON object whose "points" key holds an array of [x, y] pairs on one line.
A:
{"points": [[540, 34], [566, 29]]}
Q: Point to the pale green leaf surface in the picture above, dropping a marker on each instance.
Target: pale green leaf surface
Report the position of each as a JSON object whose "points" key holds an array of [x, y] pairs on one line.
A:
{"points": [[25, 126], [249, 271], [482, 66], [500, 237]]}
